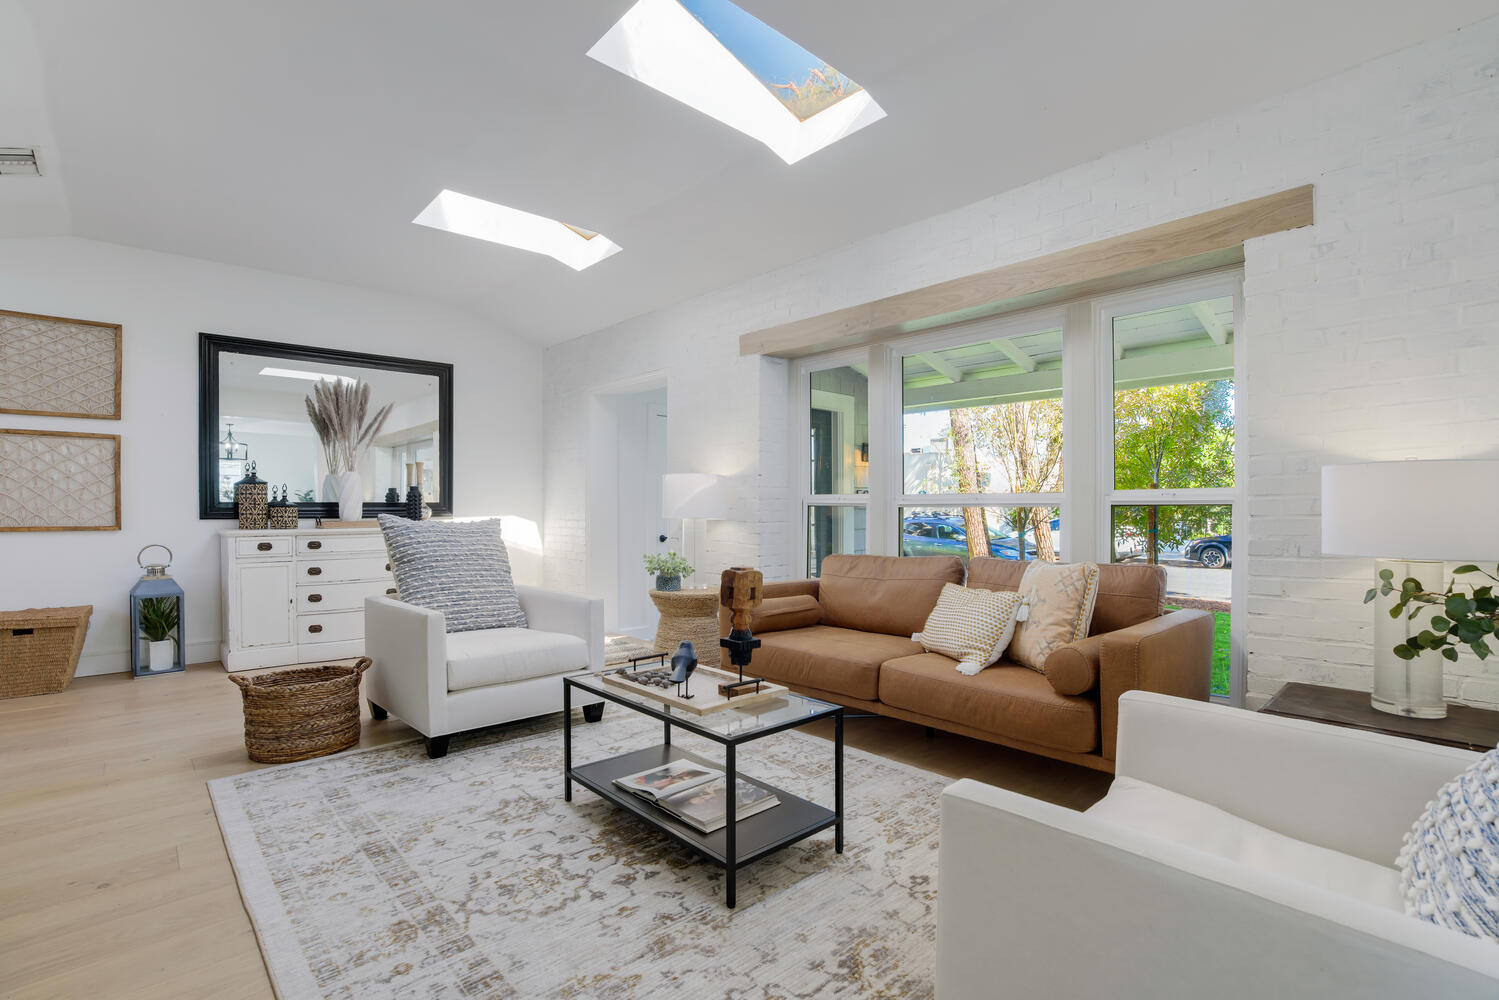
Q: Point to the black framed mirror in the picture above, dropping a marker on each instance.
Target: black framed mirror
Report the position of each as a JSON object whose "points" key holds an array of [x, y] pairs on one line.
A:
{"points": [[251, 408]]}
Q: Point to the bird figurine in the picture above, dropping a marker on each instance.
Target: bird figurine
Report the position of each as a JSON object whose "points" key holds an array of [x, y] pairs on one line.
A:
{"points": [[683, 663]]}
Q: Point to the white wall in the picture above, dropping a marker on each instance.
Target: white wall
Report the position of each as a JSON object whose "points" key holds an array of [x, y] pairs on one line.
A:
{"points": [[1372, 335], [164, 301]]}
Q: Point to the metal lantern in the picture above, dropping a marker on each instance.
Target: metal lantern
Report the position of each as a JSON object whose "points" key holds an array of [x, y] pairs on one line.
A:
{"points": [[156, 616], [251, 500]]}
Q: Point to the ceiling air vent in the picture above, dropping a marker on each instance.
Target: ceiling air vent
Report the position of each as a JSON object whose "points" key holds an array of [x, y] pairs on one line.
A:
{"points": [[18, 160]]}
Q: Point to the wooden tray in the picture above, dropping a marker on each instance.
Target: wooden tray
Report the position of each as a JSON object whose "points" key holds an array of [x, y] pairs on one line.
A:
{"points": [[704, 687]]}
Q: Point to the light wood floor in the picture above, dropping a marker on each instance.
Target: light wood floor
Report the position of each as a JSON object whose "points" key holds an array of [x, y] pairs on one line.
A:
{"points": [[115, 882]]}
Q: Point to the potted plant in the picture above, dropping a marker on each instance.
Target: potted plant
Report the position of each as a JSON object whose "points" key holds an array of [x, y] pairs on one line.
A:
{"points": [[158, 617], [669, 570], [1468, 616], [337, 410]]}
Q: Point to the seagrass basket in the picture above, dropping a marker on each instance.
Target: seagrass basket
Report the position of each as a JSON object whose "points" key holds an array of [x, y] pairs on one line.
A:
{"points": [[301, 713], [39, 649]]}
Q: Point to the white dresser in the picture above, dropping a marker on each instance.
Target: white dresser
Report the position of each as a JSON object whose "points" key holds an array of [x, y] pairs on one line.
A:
{"points": [[298, 596]]}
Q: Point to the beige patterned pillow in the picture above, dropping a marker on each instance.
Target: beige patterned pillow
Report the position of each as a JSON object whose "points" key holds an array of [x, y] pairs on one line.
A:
{"points": [[972, 626], [1059, 598]]}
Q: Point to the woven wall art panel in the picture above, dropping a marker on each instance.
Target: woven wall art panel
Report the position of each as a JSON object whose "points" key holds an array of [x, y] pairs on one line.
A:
{"points": [[59, 481], [58, 367]]}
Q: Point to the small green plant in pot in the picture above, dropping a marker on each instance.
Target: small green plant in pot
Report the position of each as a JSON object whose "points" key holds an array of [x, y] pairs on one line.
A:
{"points": [[669, 570], [1466, 618], [158, 617]]}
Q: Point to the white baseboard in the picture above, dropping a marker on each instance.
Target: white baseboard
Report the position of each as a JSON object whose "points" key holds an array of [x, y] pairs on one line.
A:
{"points": [[117, 661]]}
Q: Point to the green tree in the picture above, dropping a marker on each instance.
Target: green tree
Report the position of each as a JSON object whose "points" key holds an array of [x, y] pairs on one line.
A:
{"points": [[1025, 439], [966, 471], [1172, 437]]}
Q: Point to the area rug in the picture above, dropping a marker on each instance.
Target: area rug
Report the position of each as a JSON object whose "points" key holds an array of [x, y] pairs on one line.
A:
{"points": [[381, 874], [621, 648]]}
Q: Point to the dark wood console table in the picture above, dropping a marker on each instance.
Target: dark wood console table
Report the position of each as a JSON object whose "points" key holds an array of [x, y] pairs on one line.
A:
{"points": [[1465, 728]]}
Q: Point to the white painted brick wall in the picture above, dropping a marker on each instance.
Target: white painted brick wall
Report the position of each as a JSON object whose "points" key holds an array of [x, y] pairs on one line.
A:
{"points": [[1372, 335]]}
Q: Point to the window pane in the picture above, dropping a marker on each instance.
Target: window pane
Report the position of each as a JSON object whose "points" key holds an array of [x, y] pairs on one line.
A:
{"points": [[833, 529], [1174, 397], [1195, 544], [1014, 532], [985, 417], [840, 431]]}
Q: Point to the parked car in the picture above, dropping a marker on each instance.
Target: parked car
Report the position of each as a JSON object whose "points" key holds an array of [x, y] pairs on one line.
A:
{"points": [[941, 536], [1214, 552]]}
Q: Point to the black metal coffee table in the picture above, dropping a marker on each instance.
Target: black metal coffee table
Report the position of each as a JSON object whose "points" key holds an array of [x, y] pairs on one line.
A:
{"points": [[737, 843]]}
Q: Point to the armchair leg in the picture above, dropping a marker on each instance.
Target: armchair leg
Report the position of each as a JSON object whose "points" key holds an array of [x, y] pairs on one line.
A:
{"points": [[377, 713], [437, 746], [593, 713]]}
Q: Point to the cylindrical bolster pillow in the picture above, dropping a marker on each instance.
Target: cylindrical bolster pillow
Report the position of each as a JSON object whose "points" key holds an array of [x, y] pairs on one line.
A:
{"points": [[776, 614], [1073, 669]]}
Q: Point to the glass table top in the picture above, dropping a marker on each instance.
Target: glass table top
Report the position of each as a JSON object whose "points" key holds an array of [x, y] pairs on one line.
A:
{"points": [[726, 724]]}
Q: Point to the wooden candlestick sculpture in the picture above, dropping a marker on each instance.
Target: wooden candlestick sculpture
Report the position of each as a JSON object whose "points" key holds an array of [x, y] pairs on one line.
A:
{"points": [[739, 591]]}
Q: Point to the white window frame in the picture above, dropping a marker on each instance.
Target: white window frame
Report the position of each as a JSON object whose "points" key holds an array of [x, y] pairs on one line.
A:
{"points": [[1161, 295], [801, 450]]}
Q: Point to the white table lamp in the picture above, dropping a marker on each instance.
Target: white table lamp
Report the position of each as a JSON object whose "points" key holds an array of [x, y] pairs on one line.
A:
{"points": [[1413, 516], [693, 496]]}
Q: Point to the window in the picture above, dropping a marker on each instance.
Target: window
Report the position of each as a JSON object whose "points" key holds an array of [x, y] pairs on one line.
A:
{"points": [[1012, 532], [837, 476], [484, 220]]}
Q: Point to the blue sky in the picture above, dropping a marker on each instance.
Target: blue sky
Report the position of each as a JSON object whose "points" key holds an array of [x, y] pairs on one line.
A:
{"points": [[765, 52]]}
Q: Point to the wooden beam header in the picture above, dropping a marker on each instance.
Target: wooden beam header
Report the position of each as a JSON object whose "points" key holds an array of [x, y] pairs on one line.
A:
{"points": [[1198, 242]]}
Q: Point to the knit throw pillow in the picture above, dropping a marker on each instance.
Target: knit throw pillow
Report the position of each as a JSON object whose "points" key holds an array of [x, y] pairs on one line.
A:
{"points": [[1449, 866], [1059, 599], [459, 568], [970, 625]]}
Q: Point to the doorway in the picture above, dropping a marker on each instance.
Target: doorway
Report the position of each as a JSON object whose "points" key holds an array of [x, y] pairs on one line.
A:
{"points": [[627, 461]]}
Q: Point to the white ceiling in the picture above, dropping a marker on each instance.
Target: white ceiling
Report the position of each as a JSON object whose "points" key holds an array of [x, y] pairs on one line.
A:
{"points": [[304, 137]]}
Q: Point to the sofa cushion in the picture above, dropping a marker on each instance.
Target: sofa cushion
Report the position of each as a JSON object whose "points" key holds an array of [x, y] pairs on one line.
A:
{"points": [[971, 625], [1059, 600], [837, 660], [1127, 595], [1073, 668], [776, 614], [889, 594], [1006, 700], [503, 655], [460, 568], [1157, 812]]}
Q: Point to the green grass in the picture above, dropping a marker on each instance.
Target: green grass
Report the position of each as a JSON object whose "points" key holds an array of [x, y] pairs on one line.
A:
{"points": [[1220, 651]]}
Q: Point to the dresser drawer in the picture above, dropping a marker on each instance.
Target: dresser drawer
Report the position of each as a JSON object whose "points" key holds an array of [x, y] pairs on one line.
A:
{"points": [[342, 570], [330, 628], [315, 598], [341, 545], [249, 548]]}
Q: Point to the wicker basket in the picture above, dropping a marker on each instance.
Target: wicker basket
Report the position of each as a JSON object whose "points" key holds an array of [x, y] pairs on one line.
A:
{"points": [[39, 649], [301, 713], [691, 615]]}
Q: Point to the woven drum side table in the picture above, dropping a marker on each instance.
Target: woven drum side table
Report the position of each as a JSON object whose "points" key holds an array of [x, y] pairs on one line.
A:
{"points": [[691, 615]]}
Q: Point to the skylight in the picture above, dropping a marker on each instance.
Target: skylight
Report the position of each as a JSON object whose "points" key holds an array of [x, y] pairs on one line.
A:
{"points": [[712, 56], [484, 220]]}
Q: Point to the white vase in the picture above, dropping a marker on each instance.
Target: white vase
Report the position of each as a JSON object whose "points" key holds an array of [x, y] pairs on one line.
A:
{"points": [[160, 655], [330, 488], [350, 497]]}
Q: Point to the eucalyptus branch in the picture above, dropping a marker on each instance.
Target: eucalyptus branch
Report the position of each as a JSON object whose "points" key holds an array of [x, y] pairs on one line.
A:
{"points": [[1469, 616]]}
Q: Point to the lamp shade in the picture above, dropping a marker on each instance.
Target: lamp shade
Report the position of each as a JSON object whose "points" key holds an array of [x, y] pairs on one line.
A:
{"points": [[693, 494], [1442, 511]]}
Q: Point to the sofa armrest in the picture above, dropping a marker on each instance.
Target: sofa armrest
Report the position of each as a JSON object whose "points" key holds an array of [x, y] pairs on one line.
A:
{"points": [[1344, 789], [778, 589], [1087, 909], [408, 676], [1172, 654], [570, 614]]}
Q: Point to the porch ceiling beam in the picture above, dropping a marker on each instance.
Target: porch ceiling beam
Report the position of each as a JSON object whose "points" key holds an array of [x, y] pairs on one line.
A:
{"points": [[942, 367], [1012, 351], [1210, 324]]}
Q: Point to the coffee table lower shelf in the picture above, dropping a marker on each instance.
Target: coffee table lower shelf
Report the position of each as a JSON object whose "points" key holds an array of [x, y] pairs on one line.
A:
{"points": [[756, 836]]}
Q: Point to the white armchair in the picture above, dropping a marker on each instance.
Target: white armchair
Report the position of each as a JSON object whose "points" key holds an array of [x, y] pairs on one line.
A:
{"points": [[440, 683], [1237, 855]]}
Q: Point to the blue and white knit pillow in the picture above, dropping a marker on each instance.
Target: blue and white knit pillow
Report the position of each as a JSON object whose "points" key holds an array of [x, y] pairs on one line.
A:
{"points": [[1449, 866], [459, 568]]}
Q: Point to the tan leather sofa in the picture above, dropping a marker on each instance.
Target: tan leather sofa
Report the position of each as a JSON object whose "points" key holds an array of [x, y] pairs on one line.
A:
{"points": [[846, 638]]}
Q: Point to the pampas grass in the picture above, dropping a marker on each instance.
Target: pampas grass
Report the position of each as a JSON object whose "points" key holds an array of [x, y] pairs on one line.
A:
{"points": [[337, 411]]}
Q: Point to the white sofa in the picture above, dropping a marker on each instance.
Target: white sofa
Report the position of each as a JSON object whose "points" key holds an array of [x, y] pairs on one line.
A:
{"points": [[440, 683], [1237, 855]]}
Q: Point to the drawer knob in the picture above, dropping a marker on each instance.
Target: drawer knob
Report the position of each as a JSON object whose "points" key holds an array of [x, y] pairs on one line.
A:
{"points": [[264, 546], [314, 629], [387, 567], [314, 598], [390, 591], [314, 571], [314, 544]]}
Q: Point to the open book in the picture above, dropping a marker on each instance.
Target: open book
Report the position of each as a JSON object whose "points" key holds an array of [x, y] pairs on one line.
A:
{"points": [[656, 783], [704, 806]]}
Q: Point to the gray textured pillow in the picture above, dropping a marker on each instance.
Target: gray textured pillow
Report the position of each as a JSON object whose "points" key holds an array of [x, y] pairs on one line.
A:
{"points": [[460, 569]]}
